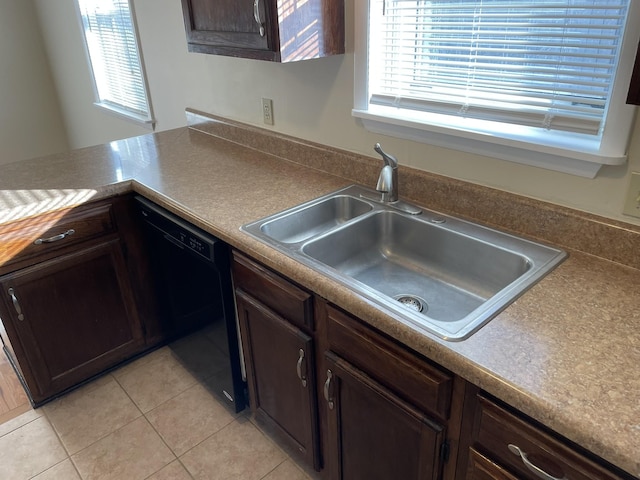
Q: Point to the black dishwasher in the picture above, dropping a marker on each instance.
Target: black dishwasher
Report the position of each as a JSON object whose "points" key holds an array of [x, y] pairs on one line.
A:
{"points": [[192, 274]]}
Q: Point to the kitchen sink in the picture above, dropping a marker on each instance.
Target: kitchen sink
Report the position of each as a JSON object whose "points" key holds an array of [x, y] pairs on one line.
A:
{"points": [[314, 219], [443, 275]]}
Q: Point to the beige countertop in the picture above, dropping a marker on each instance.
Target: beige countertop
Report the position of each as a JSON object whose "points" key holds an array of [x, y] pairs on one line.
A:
{"points": [[567, 352]]}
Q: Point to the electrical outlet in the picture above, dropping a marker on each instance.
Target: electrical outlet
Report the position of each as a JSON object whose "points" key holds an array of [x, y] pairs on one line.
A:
{"points": [[267, 111], [632, 202]]}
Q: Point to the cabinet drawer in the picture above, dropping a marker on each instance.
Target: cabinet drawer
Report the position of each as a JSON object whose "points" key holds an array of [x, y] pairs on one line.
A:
{"points": [[280, 295], [481, 468], [34, 236], [413, 379], [497, 429]]}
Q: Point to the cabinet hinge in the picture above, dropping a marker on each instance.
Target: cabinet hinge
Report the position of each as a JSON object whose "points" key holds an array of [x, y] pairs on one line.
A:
{"points": [[444, 451]]}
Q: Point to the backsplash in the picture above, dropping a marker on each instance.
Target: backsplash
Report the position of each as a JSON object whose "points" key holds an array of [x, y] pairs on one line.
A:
{"points": [[561, 226]]}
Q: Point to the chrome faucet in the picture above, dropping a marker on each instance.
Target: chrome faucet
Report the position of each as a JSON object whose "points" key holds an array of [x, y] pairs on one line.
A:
{"points": [[388, 185], [388, 179]]}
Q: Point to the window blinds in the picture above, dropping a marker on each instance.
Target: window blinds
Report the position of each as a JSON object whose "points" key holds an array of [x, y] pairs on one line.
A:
{"points": [[548, 63], [113, 51]]}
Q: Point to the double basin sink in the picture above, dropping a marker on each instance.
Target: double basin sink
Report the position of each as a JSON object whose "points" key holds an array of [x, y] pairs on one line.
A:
{"points": [[442, 275]]}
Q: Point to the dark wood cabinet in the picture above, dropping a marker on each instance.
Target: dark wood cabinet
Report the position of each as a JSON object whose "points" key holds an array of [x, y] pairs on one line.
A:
{"points": [[274, 30], [387, 409], [66, 301], [481, 468], [503, 444], [373, 434], [279, 356], [319, 377], [358, 404], [633, 95]]}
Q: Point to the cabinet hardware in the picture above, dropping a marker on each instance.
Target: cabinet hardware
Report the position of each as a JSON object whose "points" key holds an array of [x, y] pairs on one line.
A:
{"points": [[327, 386], [55, 238], [303, 378], [445, 450], [16, 304], [256, 15], [536, 470]]}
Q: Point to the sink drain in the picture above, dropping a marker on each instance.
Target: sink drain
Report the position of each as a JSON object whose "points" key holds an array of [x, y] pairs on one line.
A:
{"points": [[413, 302]]}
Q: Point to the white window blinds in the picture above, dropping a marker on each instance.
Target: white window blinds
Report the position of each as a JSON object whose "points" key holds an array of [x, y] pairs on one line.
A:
{"points": [[543, 63], [114, 55]]}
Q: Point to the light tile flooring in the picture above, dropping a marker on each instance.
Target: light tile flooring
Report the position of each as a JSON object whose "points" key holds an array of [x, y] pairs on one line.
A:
{"points": [[151, 419]]}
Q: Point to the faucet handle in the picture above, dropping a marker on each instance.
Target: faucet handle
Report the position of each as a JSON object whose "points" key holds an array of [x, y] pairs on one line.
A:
{"points": [[389, 160]]}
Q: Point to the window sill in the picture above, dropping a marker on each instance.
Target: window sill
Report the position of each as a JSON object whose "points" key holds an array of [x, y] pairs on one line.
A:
{"points": [[142, 120], [585, 163]]}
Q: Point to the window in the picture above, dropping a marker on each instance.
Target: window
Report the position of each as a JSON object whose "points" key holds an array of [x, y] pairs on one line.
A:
{"points": [[541, 82], [115, 59]]}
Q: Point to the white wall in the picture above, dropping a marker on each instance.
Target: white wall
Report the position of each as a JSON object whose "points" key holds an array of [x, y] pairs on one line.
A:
{"points": [[31, 124], [312, 100]]}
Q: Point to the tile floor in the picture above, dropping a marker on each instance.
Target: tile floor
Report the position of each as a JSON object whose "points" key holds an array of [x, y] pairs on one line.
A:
{"points": [[151, 419]]}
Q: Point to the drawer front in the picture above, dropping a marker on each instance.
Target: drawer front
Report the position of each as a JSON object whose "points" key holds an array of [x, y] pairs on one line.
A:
{"points": [[411, 378], [50, 232], [481, 468], [280, 295], [500, 434]]}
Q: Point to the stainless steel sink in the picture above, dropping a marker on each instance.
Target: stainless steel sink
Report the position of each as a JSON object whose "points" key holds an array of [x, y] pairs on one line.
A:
{"points": [[314, 219], [441, 274]]}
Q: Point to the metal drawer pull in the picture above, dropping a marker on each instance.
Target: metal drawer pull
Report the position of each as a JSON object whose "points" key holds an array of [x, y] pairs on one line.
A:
{"points": [[16, 304], [302, 377], [256, 15], [55, 238], [327, 386], [536, 470]]}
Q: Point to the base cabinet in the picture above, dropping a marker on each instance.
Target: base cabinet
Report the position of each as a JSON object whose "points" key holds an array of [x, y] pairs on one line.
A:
{"points": [[504, 445], [373, 434], [66, 300], [359, 405], [377, 410], [72, 316], [387, 409], [279, 356]]}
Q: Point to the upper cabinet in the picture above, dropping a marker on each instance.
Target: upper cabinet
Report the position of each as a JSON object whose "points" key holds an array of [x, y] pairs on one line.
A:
{"points": [[274, 30], [633, 97]]}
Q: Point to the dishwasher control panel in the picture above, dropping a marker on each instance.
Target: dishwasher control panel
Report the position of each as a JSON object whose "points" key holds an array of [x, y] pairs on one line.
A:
{"points": [[178, 231]]}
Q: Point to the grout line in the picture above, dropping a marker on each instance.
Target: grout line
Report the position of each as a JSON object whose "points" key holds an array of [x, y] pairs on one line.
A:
{"points": [[208, 437], [176, 460], [127, 394], [70, 455], [22, 425], [55, 432], [53, 466], [274, 468], [196, 381]]}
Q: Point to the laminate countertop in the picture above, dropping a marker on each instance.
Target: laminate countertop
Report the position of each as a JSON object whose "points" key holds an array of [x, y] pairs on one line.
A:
{"points": [[566, 353]]}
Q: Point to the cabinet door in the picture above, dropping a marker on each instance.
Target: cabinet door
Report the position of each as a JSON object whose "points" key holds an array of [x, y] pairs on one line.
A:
{"points": [[372, 433], [230, 27], [280, 374], [73, 316]]}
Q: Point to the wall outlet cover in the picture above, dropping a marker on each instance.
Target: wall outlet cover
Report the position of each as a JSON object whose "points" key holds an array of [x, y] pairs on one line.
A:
{"points": [[267, 111]]}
